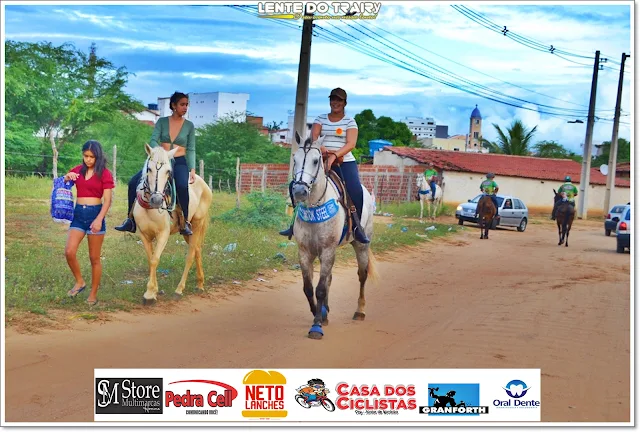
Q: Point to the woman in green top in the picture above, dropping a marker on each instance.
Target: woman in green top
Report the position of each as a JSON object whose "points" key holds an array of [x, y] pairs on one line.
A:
{"points": [[170, 132]]}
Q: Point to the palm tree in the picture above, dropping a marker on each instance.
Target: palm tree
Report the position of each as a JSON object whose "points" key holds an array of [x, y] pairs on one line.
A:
{"points": [[516, 142]]}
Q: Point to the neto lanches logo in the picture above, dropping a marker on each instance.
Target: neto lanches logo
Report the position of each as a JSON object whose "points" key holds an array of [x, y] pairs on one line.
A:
{"points": [[516, 389]]}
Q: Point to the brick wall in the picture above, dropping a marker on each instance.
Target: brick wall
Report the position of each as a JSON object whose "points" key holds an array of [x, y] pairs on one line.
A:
{"points": [[392, 184]]}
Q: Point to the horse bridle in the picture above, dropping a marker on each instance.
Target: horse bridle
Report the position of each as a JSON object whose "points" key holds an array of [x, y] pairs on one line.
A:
{"points": [[146, 189], [309, 186]]}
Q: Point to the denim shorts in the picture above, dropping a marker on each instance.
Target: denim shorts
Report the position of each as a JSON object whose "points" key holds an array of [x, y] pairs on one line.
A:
{"points": [[83, 217]]}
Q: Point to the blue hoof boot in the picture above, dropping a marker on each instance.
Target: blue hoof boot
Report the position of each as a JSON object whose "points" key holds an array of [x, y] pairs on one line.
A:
{"points": [[316, 332]]}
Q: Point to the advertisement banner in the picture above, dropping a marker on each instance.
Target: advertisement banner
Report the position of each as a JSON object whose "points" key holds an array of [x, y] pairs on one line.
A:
{"points": [[317, 395]]}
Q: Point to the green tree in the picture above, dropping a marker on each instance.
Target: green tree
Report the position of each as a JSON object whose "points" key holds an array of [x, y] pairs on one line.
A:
{"points": [[624, 152], [220, 143], [553, 150], [515, 142], [61, 91], [371, 128], [21, 148]]}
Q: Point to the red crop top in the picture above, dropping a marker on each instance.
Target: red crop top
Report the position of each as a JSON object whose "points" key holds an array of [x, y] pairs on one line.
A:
{"points": [[94, 187]]}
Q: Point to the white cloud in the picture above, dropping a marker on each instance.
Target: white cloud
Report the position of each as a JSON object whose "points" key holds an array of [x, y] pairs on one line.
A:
{"points": [[102, 21]]}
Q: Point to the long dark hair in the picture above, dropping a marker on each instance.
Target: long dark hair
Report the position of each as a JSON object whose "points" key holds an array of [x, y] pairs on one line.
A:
{"points": [[101, 161], [175, 98]]}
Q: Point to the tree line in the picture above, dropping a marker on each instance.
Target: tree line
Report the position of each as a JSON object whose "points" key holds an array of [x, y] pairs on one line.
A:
{"points": [[58, 97]]}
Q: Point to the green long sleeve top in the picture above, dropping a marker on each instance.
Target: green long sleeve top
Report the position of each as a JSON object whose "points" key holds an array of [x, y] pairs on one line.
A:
{"points": [[186, 138]]}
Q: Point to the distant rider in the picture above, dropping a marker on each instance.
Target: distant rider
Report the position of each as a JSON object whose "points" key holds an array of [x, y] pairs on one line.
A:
{"points": [[570, 192]]}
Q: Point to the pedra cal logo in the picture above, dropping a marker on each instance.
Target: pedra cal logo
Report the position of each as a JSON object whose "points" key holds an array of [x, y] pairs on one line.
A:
{"points": [[375, 400], [264, 394], [206, 394]]}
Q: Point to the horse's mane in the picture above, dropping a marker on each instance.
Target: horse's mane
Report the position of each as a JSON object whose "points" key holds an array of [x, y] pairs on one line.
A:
{"points": [[159, 155]]}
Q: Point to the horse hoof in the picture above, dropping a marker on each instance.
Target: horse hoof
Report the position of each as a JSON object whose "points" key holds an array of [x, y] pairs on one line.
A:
{"points": [[316, 332], [199, 291], [161, 292], [358, 316], [177, 296], [148, 302]]}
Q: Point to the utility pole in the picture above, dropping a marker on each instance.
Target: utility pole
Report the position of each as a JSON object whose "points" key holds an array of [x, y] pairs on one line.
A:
{"points": [[302, 92], [613, 150], [585, 176]]}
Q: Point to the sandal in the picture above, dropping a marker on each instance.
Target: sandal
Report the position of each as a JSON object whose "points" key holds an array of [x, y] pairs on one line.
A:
{"points": [[71, 293], [92, 303]]}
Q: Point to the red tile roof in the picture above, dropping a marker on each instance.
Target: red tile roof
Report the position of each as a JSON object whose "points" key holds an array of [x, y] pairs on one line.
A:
{"points": [[623, 167], [505, 165]]}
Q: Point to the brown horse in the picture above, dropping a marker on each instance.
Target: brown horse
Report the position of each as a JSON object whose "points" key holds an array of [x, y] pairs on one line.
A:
{"points": [[565, 214], [486, 211]]}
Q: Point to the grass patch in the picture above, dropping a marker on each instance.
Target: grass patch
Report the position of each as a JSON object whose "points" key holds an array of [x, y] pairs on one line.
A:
{"points": [[412, 209], [239, 244]]}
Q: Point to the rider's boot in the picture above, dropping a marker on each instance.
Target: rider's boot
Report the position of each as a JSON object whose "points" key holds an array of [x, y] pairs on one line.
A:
{"points": [[287, 232], [187, 229], [129, 225]]}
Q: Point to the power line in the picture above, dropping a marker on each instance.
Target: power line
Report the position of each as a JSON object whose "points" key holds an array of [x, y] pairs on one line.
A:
{"points": [[467, 67], [375, 53], [528, 42]]}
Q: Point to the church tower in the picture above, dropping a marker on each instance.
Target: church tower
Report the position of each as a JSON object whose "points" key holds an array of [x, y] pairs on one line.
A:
{"points": [[475, 131]]}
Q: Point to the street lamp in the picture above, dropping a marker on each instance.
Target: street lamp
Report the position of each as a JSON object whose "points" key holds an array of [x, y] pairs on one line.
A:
{"points": [[575, 121]]}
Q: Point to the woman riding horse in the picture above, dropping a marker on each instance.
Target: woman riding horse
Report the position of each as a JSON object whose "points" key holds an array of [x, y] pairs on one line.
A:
{"points": [[170, 132], [340, 135]]}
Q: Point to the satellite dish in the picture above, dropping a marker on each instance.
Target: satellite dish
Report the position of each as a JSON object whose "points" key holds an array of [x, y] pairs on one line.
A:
{"points": [[604, 169]]}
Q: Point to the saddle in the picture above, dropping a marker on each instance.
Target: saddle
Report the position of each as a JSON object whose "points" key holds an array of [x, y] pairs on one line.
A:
{"points": [[345, 202]]}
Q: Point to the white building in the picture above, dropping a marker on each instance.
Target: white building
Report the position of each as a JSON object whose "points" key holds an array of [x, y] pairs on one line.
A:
{"points": [[208, 107], [291, 132], [421, 127], [148, 116]]}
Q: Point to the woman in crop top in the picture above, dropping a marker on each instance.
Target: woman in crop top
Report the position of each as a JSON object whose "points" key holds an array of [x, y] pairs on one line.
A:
{"points": [[94, 186], [172, 131], [340, 136]]}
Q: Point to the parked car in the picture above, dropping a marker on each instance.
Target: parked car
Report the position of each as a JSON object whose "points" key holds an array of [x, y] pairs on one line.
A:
{"points": [[623, 230], [612, 219], [513, 212]]}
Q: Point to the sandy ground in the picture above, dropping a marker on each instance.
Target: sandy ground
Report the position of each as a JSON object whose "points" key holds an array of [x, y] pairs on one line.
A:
{"points": [[515, 300]]}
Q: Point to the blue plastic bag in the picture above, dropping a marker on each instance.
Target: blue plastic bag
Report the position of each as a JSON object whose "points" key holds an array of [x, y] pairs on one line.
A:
{"points": [[62, 201]]}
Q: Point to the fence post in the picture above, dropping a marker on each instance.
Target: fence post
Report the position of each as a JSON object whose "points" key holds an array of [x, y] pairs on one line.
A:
{"points": [[113, 170], [263, 182], [220, 185], [228, 186], [237, 182], [375, 184], [409, 189], [202, 169], [211, 182]]}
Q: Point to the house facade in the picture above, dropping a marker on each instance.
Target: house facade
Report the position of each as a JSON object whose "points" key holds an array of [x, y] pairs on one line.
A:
{"points": [[529, 178]]}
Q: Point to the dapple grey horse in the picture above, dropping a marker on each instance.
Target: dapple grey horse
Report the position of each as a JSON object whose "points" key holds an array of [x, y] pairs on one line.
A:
{"points": [[319, 229]]}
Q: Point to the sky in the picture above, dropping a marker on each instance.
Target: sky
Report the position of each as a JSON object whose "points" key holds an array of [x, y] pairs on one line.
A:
{"points": [[208, 48]]}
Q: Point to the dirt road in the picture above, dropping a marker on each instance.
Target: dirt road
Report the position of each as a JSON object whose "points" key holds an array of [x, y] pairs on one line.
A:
{"points": [[515, 300]]}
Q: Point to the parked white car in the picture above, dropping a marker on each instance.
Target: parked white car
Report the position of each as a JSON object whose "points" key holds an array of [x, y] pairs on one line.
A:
{"points": [[623, 231], [513, 212]]}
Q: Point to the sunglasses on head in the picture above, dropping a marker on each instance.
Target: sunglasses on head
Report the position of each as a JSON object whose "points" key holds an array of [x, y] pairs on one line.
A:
{"points": [[335, 98]]}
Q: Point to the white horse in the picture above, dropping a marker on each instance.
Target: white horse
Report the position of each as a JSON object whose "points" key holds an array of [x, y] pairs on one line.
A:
{"points": [[424, 190], [320, 228], [154, 222]]}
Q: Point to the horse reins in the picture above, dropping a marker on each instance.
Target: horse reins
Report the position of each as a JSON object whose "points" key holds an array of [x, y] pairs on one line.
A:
{"points": [[146, 189]]}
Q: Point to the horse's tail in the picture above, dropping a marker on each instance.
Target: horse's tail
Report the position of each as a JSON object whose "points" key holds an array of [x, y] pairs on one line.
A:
{"points": [[372, 267]]}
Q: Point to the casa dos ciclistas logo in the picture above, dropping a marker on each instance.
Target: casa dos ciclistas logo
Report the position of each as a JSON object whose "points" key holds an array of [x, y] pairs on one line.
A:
{"points": [[264, 394]]}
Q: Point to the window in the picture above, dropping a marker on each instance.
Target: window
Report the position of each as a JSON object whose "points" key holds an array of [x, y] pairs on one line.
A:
{"points": [[476, 134], [477, 121], [410, 122], [518, 204], [456, 149], [507, 204], [232, 102], [628, 216]]}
